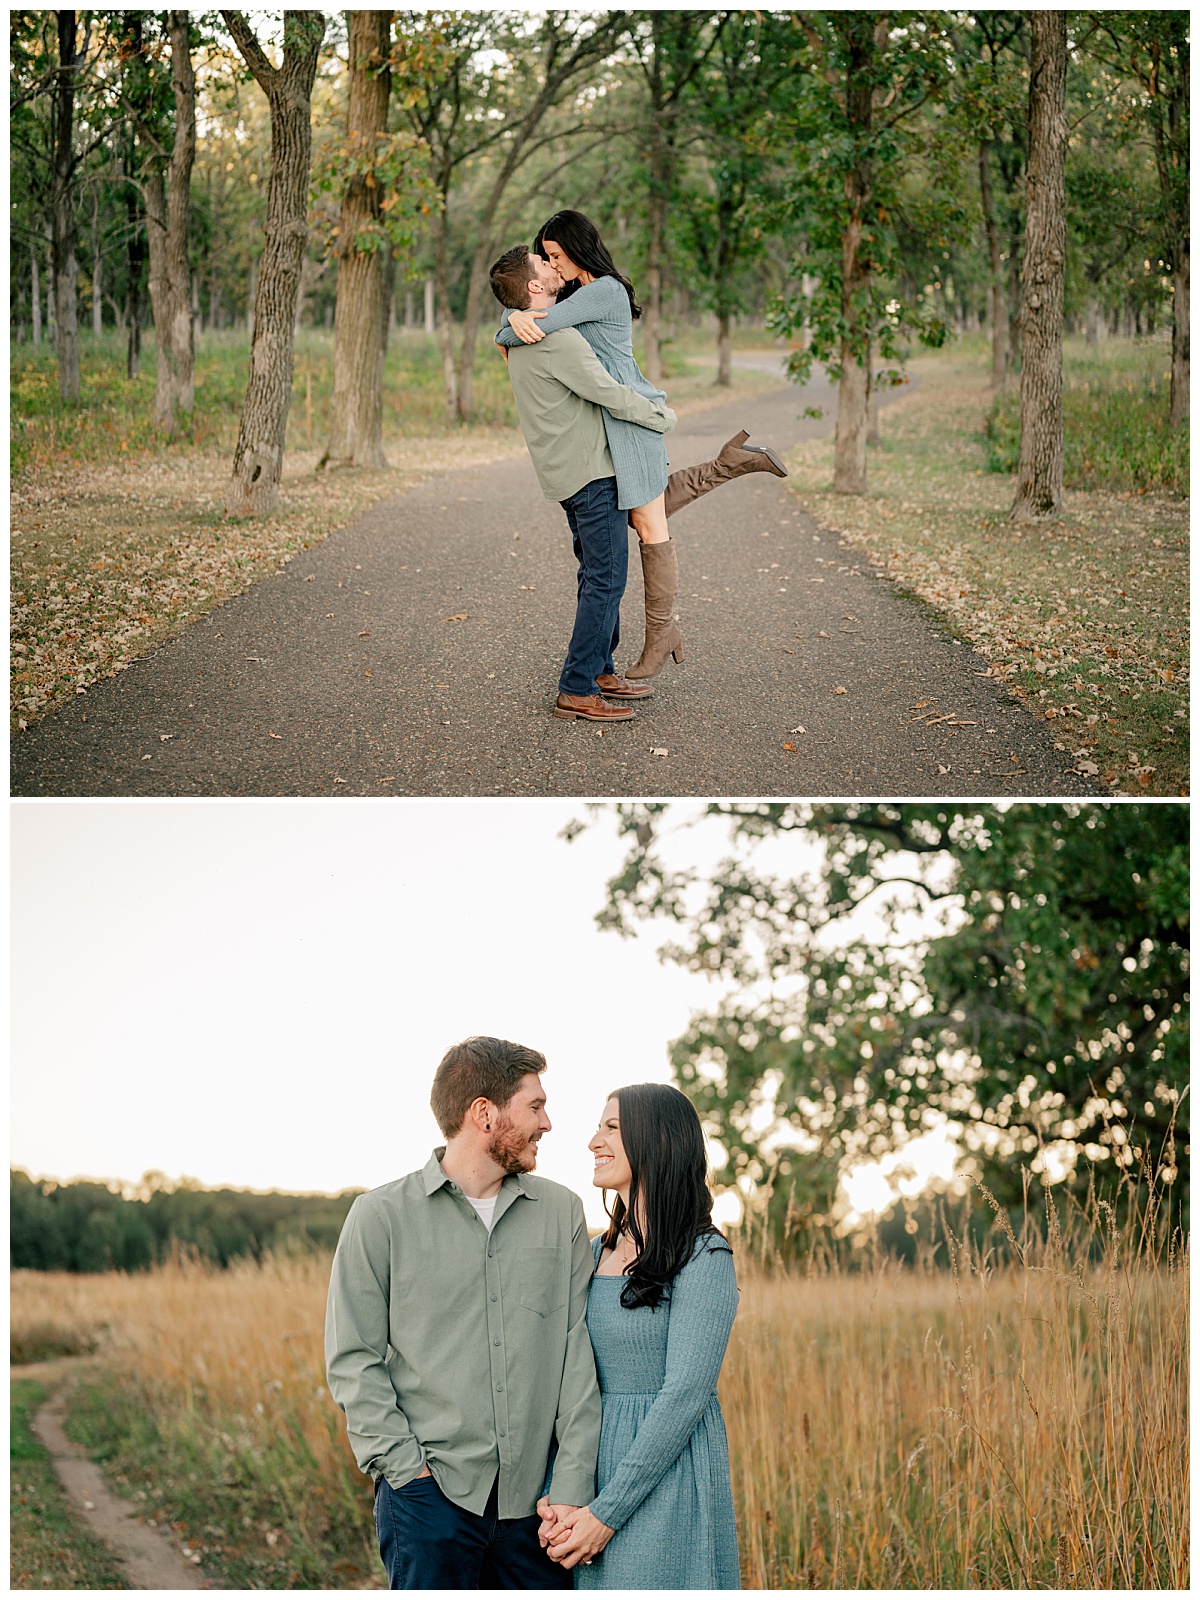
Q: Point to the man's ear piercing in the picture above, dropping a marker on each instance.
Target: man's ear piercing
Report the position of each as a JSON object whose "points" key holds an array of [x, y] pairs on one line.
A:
{"points": [[488, 1127]]}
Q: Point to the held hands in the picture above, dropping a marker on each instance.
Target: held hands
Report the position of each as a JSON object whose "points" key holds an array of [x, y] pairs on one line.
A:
{"points": [[525, 325], [571, 1534]]}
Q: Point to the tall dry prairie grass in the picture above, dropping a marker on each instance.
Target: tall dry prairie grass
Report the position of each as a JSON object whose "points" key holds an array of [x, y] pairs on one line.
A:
{"points": [[997, 1426]]}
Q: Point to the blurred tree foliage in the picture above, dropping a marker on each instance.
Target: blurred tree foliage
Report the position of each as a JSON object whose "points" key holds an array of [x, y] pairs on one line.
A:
{"points": [[95, 1227], [1019, 973]]}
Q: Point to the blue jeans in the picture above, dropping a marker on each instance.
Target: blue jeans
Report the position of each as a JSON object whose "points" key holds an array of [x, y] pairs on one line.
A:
{"points": [[427, 1542], [600, 537]]}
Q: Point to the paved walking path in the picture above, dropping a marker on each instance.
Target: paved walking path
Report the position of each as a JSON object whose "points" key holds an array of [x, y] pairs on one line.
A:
{"points": [[150, 1559], [417, 652]]}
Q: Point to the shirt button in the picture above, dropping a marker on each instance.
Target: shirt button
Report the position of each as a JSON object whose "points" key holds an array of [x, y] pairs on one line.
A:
{"points": [[502, 1433], [493, 1297], [495, 1341], [489, 1252], [499, 1388]]}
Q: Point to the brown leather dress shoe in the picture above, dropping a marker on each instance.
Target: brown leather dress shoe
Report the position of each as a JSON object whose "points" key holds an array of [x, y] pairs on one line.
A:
{"points": [[621, 688], [592, 707]]}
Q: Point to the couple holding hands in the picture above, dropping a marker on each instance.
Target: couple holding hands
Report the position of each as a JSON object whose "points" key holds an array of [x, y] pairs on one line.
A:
{"points": [[539, 1411], [595, 430]]}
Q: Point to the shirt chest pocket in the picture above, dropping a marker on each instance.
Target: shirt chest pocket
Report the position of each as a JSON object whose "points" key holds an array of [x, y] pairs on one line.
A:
{"points": [[540, 1282]]}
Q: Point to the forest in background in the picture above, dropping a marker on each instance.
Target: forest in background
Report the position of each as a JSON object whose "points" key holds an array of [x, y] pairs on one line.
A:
{"points": [[854, 181]]}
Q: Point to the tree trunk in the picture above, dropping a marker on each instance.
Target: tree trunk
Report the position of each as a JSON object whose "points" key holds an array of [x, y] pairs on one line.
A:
{"points": [[724, 351], [360, 320], [134, 258], [656, 217], [66, 317], [182, 350], [1040, 465], [999, 310], [35, 296], [850, 442], [1094, 322], [1181, 342], [258, 455], [445, 329], [97, 269], [410, 314], [429, 305]]}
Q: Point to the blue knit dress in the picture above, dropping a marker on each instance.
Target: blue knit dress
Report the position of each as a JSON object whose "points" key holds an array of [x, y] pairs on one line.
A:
{"points": [[600, 310], [663, 1470]]}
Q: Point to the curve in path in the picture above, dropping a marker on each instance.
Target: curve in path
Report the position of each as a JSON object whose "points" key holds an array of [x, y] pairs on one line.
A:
{"points": [[150, 1559], [417, 651]]}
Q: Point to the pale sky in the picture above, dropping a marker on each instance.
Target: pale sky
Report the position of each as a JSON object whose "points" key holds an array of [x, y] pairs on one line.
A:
{"points": [[256, 994]]}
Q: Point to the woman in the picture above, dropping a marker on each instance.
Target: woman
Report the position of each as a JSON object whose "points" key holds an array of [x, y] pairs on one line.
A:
{"points": [[660, 1308], [601, 303]]}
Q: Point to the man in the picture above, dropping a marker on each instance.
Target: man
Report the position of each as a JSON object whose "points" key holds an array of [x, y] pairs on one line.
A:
{"points": [[456, 1341], [560, 386]]}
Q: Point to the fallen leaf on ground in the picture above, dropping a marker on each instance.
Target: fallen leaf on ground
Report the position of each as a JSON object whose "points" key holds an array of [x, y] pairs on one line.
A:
{"points": [[459, 616], [799, 728], [271, 735], [839, 690], [659, 750], [788, 746]]}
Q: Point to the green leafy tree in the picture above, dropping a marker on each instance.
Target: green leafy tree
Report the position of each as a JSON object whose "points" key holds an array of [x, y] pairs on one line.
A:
{"points": [[1019, 974], [859, 84]]}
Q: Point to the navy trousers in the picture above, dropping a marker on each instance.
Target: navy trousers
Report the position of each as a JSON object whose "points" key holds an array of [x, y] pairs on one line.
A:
{"points": [[427, 1542], [600, 537]]}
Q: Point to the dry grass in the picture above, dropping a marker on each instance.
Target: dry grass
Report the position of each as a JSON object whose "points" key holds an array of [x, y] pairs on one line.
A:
{"points": [[995, 1427]]}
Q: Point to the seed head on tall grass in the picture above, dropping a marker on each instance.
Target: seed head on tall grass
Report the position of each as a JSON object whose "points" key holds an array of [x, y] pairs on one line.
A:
{"points": [[1018, 1420]]}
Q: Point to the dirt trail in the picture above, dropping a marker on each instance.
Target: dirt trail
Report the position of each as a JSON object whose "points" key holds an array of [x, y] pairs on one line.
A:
{"points": [[151, 1560]]}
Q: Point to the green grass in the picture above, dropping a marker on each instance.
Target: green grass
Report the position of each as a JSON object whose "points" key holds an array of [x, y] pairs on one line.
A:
{"points": [[259, 1517], [50, 1547], [1115, 404], [114, 418]]}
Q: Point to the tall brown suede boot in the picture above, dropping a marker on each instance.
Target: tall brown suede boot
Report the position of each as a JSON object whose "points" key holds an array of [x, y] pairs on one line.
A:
{"points": [[660, 573], [735, 460]]}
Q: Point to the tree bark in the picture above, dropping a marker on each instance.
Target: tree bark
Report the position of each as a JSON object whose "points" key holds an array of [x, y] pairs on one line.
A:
{"points": [[445, 321], [656, 207], [35, 296], [258, 455], [1040, 465], [850, 442], [181, 344], [66, 317], [1181, 340], [429, 305], [999, 311], [360, 319], [97, 271], [724, 351]]}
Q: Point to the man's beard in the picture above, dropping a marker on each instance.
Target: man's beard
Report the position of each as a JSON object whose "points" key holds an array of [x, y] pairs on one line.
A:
{"points": [[510, 1150]]}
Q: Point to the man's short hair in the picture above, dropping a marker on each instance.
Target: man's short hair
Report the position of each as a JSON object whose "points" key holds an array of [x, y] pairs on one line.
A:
{"points": [[510, 278], [491, 1068]]}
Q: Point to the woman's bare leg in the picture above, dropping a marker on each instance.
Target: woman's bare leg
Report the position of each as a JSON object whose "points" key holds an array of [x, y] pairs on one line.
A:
{"points": [[650, 521]]}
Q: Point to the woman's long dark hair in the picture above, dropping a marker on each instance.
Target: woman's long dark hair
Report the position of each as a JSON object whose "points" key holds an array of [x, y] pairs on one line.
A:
{"points": [[670, 1206], [578, 238]]}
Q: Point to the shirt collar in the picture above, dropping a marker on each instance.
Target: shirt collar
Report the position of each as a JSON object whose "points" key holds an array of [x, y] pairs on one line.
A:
{"points": [[435, 1178]]}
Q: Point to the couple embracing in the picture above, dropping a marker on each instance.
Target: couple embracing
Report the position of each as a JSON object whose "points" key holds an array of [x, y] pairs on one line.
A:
{"points": [[539, 1412], [595, 429]]}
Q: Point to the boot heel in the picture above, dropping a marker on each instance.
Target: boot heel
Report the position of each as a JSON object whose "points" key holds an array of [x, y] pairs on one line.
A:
{"points": [[677, 654]]}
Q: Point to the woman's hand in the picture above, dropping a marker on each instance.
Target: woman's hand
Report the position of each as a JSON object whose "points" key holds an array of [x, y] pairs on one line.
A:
{"points": [[525, 325], [580, 1537]]}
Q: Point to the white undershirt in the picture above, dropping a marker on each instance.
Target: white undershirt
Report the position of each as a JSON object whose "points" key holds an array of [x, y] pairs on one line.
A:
{"points": [[486, 1209]]}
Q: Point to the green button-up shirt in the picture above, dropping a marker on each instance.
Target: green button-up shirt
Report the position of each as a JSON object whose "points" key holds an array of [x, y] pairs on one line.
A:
{"points": [[559, 386], [467, 1351]]}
